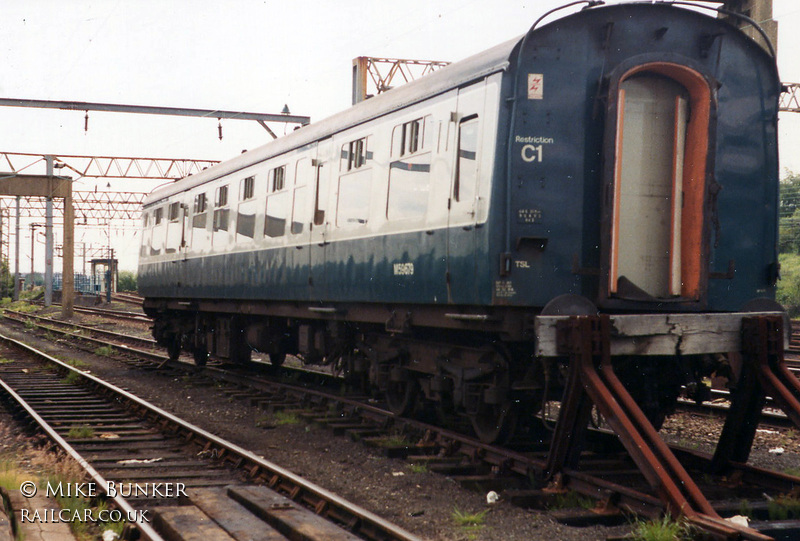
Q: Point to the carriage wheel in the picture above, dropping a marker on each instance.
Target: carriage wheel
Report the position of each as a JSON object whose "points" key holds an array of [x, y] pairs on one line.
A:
{"points": [[495, 423], [495, 420], [276, 359], [174, 347], [401, 396], [200, 356]]}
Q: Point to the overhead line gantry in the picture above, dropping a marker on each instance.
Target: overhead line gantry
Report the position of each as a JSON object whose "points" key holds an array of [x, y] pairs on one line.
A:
{"points": [[261, 118]]}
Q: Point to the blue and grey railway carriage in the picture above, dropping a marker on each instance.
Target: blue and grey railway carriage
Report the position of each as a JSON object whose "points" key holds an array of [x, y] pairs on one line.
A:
{"points": [[622, 160]]}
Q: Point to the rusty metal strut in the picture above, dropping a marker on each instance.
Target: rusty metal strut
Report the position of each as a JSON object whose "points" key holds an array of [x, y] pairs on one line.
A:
{"points": [[763, 373], [587, 341], [591, 380]]}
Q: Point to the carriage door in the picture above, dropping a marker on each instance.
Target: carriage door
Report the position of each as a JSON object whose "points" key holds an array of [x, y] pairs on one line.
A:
{"points": [[659, 182], [176, 228], [463, 201], [320, 218]]}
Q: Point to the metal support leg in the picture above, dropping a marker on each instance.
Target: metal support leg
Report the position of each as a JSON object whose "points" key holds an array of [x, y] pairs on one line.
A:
{"points": [[576, 408], [587, 340], [763, 373], [739, 431]]}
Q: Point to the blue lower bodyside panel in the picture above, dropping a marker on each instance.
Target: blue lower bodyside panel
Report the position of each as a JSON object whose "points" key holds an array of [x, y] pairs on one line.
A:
{"points": [[407, 268]]}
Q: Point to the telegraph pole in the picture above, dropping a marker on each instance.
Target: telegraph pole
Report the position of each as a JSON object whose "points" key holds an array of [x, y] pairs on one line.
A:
{"points": [[48, 242], [16, 254], [33, 236]]}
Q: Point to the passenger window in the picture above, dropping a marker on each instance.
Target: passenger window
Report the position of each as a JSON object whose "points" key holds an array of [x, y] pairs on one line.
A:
{"points": [[466, 176], [276, 213], [304, 172], [221, 198], [199, 211], [353, 207], [297, 209], [411, 137], [355, 154], [199, 203], [174, 212], [277, 179], [409, 187], [320, 196], [245, 223], [221, 219], [246, 211], [221, 214], [158, 215], [247, 189]]}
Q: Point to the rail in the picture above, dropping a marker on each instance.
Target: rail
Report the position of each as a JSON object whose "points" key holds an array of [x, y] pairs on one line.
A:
{"points": [[536, 465], [369, 525]]}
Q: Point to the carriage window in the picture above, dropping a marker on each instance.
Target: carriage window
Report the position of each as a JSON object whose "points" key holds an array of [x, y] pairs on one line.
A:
{"points": [[174, 212], [145, 220], [408, 138], [199, 203], [247, 189], [466, 176], [245, 222], [199, 210], [221, 219], [277, 211], [221, 197], [411, 137], [277, 179], [158, 215], [304, 173], [355, 154], [320, 196], [409, 187], [298, 207], [353, 204]]}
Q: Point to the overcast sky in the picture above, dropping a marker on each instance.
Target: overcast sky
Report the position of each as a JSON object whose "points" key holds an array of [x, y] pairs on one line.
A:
{"points": [[242, 55]]}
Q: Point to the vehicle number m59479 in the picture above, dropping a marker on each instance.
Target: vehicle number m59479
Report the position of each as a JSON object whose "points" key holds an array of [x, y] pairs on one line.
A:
{"points": [[403, 269]]}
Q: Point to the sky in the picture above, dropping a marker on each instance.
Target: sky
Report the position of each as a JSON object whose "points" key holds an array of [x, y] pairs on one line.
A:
{"points": [[242, 55]]}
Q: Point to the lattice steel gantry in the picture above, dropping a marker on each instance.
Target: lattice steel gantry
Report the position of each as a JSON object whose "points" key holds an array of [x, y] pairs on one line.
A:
{"points": [[383, 71], [109, 166], [790, 98]]}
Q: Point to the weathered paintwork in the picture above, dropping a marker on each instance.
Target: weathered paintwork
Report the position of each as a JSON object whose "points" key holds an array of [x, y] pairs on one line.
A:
{"points": [[350, 272], [540, 231], [560, 198]]}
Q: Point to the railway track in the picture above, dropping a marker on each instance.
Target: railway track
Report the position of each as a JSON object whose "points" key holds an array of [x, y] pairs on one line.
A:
{"points": [[610, 477], [174, 474], [122, 315], [146, 349], [93, 334], [127, 298]]}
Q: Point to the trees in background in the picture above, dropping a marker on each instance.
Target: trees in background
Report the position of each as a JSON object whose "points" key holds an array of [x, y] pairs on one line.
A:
{"points": [[789, 243], [126, 281]]}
